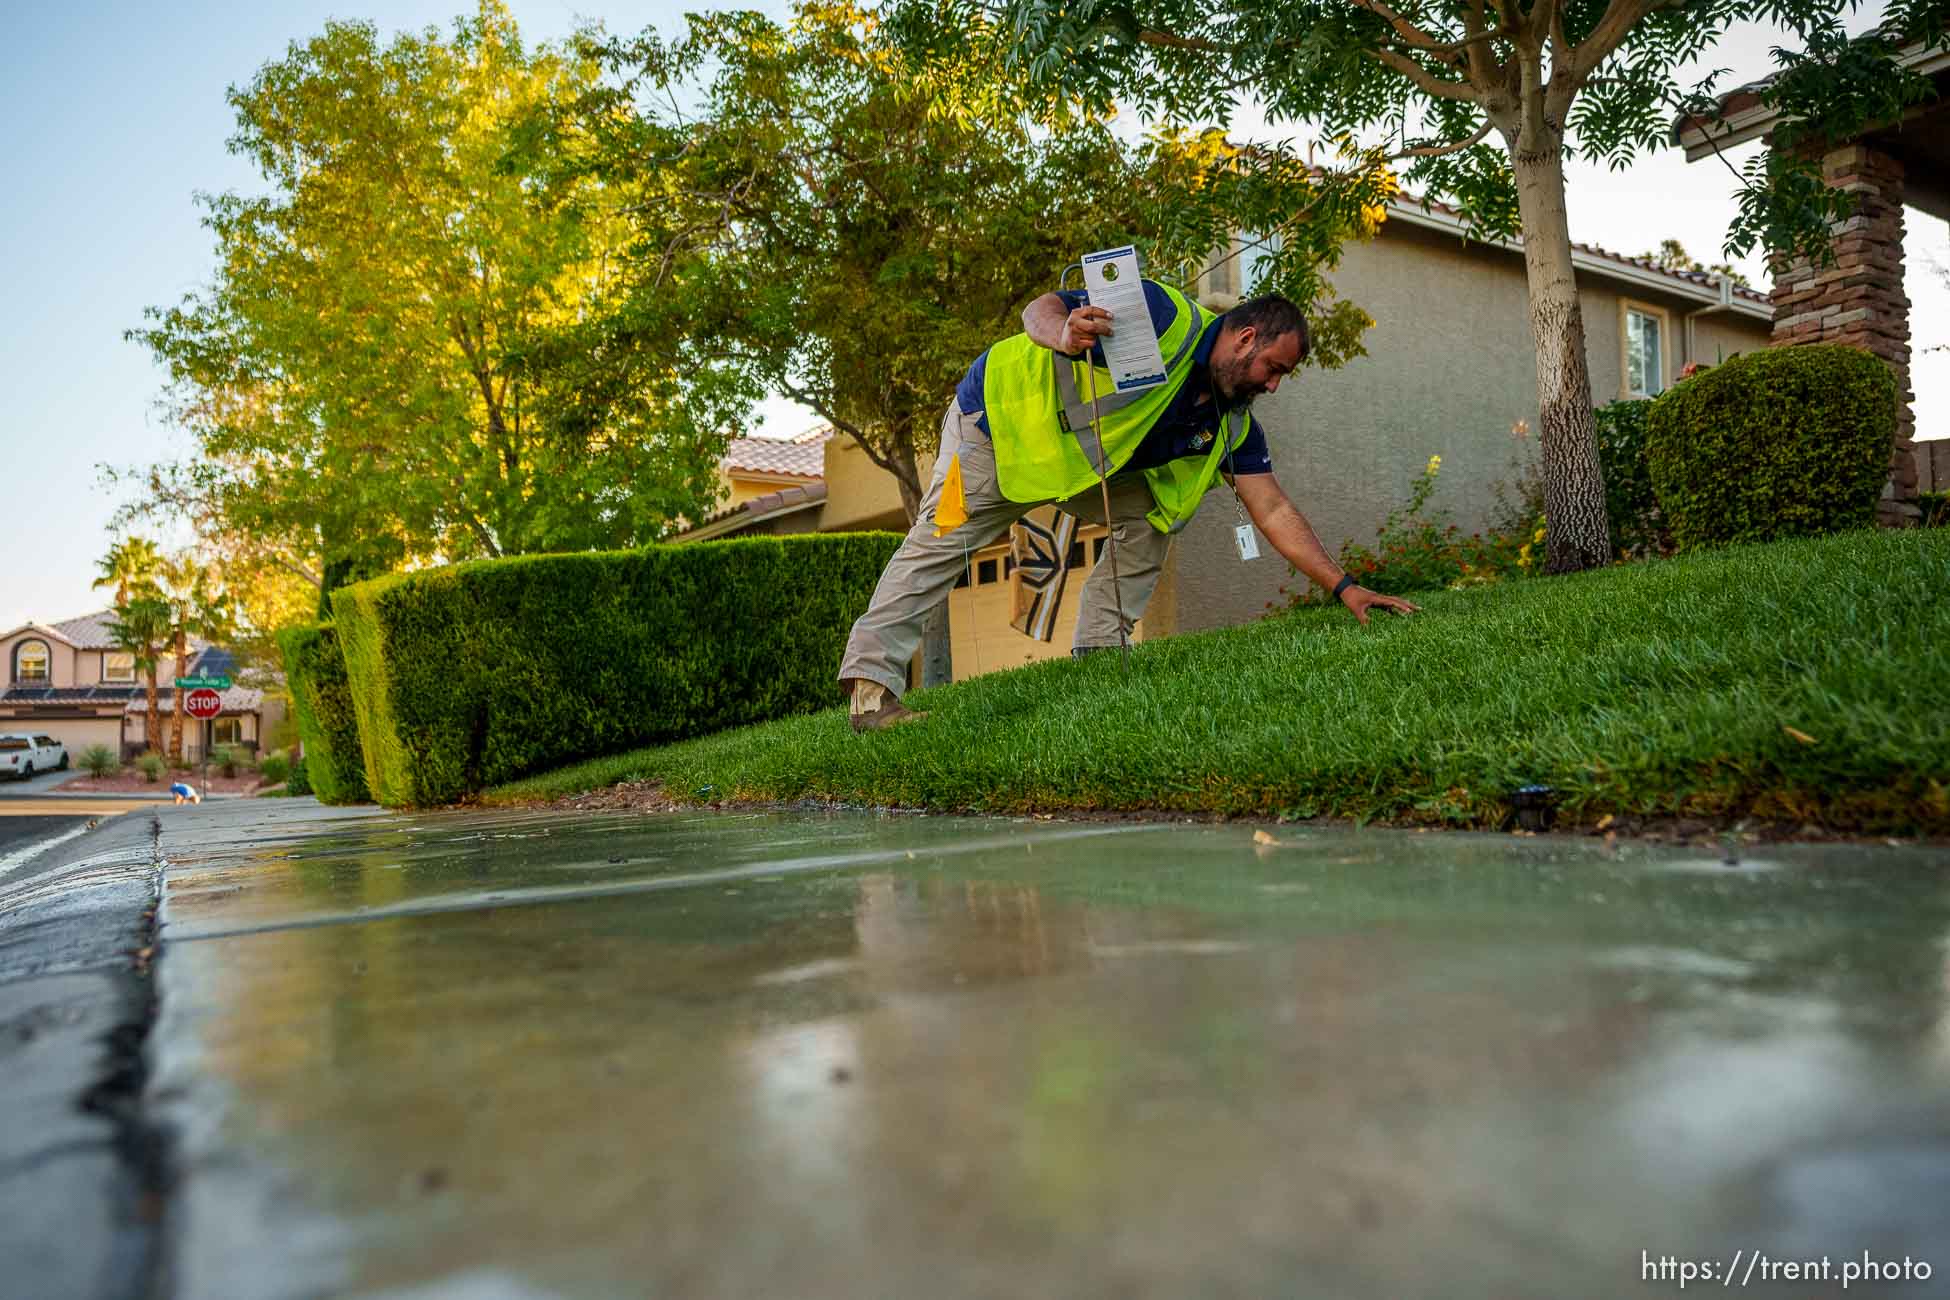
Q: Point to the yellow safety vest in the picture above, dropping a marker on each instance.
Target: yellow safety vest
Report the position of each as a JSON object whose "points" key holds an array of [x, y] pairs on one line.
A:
{"points": [[1039, 422]]}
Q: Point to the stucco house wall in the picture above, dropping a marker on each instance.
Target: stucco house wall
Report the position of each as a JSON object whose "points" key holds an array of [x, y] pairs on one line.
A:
{"points": [[1450, 370]]}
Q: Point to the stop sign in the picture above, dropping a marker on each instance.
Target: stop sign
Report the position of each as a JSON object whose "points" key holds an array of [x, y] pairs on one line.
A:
{"points": [[203, 703]]}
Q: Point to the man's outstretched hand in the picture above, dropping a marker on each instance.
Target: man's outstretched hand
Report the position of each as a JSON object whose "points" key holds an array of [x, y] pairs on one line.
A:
{"points": [[1361, 600]]}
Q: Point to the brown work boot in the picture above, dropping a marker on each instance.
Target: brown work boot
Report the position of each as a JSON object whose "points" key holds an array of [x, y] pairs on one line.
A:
{"points": [[872, 707]]}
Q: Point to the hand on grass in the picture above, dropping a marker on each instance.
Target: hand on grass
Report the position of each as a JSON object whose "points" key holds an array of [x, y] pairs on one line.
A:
{"points": [[1361, 600]]}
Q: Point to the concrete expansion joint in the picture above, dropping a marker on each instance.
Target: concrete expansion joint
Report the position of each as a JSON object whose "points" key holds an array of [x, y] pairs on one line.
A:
{"points": [[118, 1096]]}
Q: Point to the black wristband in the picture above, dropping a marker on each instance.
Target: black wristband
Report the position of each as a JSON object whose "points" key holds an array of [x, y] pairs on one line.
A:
{"points": [[1347, 580]]}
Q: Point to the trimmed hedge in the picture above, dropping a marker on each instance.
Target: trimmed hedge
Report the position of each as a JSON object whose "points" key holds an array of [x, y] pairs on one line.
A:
{"points": [[1784, 442], [1637, 527], [468, 676], [321, 696]]}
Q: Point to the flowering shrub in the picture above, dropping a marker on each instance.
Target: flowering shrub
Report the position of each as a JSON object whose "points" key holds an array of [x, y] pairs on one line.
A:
{"points": [[1418, 549], [1526, 554]]}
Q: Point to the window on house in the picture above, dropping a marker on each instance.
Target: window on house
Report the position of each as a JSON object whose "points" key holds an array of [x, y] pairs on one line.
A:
{"points": [[1222, 271], [1254, 261], [984, 572], [227, 731], [30, 662], [118, 667], [1645, 367]]}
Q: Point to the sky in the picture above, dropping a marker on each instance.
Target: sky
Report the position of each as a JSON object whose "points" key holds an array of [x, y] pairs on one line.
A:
{"points": [[117, 118]]}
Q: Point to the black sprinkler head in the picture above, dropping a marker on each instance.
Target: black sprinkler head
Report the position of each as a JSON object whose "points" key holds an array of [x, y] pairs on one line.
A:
{"points": [[1536, 807]]}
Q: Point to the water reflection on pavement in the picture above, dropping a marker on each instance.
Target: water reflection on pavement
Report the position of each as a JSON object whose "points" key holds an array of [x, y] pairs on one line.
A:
{"points": [[768, 1054]]}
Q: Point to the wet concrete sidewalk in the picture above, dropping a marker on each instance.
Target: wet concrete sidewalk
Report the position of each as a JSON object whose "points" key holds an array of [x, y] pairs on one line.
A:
{"points": [[521, 1054]]}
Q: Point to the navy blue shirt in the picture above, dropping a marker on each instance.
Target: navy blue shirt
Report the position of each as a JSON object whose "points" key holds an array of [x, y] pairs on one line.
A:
{"points": [[1187, 426]]}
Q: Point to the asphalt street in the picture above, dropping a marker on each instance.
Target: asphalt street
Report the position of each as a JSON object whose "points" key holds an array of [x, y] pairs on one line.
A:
{"points": [[21, 833], [77, 1213]]}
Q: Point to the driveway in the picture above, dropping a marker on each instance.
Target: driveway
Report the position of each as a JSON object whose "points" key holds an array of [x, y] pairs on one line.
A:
{"points": [[38, 784]]}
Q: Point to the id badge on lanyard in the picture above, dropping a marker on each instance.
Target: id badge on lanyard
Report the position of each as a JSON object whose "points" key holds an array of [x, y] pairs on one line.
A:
{"points": [[1243, 535]]}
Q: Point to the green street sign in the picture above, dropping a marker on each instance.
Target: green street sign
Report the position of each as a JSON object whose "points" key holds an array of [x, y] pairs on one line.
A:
{"points": [[196, 683]]}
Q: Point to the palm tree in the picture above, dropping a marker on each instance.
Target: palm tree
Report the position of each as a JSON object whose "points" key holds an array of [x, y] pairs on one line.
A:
{"points": [[197, 607], [142, 628], [130, 565]]}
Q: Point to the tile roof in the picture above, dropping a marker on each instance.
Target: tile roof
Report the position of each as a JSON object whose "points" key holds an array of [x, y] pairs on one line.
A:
{"points": [[1698, 279], [65, 694], [803, 456], [90, 631], [1752, 95], [750, 512]]}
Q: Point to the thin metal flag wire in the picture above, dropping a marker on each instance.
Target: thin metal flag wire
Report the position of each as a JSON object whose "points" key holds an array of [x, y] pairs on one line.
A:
{"points": [[1110, 524], [1103, 482]]}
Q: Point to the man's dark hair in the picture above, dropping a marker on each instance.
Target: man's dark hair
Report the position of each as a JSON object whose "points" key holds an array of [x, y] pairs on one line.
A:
{"points": [[1271, 316]]}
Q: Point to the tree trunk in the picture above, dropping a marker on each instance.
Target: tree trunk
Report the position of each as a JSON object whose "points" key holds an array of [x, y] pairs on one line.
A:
{"points": [[176, 701], [1574, 484], [152, 719], [937, 654]]}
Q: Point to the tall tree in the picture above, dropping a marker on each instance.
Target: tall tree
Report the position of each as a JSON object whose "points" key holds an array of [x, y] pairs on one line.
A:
{"points": [[1483, 100], [141, 627], [130, 565], [376, 369], [198, 608]]}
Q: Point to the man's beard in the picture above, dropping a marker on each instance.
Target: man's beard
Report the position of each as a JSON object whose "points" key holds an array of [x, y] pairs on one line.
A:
{"points": [[1229, 385]]}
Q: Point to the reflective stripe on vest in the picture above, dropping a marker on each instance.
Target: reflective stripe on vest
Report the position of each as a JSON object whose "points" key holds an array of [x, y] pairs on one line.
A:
{"points": [[1040, 426], [1076, 412]]}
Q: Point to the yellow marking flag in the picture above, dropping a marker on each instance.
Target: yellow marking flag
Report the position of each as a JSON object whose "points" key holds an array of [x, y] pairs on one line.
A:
{"points": [[951, 511]]}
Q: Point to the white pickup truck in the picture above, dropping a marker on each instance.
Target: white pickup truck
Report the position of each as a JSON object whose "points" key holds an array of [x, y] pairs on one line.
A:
{"points": [[22, 755]]}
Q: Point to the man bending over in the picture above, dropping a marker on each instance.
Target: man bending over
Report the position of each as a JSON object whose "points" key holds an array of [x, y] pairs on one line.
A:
{"points": [[1019, 435]]}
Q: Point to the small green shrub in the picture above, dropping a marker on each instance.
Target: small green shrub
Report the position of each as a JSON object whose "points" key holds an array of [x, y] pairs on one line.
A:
{"points": [[227, 758], [1418, 549], [99, 761], [478, 673], [273, 768], [151, 766], [1637, 527], [1784, 442], [328, 724], [298, 780], [1936, 509]]}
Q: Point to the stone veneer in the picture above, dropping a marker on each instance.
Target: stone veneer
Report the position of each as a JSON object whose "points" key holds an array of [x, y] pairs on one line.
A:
{"points": [[1858, 298]]}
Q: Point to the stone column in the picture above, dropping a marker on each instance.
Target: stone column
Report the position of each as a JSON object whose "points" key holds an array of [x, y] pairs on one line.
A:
{"points": [[1858, 299]]}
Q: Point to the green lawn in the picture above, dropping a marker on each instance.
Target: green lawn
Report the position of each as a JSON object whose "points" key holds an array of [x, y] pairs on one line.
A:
{"points": [[1653, 689]]}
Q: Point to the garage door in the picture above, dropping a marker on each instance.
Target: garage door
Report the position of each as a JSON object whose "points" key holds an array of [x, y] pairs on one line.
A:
{"points": [[78, 734]]}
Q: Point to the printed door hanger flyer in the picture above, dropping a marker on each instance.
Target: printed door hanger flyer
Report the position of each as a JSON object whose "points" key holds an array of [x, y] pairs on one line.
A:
{"points": [[1112, 278]]}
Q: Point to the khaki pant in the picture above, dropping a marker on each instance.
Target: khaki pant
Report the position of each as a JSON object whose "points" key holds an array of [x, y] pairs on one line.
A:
{"points": [[925, 568]]}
